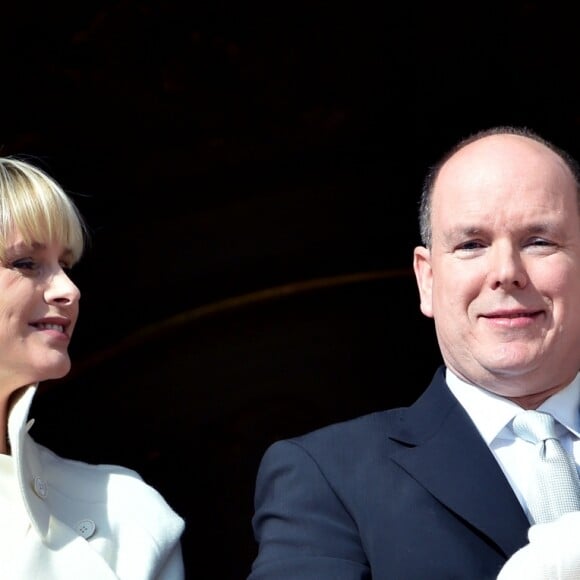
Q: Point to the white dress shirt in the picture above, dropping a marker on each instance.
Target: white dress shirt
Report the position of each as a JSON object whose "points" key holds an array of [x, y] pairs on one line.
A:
{"points": [[492, 416]]}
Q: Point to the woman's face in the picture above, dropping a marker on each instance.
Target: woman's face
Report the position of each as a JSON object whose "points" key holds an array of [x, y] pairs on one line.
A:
{"points": [[39, 306]]}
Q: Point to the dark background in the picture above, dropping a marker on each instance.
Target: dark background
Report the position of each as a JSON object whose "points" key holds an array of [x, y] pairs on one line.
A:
{"points": [[250, 174]]}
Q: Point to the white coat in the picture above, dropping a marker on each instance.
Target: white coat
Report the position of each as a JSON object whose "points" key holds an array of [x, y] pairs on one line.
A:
{"points": [[89, 522]]}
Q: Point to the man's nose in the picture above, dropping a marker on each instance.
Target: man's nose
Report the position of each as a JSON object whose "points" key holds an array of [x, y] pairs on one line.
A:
{"points": [[507, 268]]}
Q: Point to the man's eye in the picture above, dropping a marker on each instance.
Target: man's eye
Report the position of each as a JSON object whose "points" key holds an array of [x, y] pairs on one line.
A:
{"points": [[539, 242], [471, 245]]}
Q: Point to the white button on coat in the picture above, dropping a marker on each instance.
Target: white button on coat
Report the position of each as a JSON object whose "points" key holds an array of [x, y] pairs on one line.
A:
{"points": [[86, 528], [40, 487]]}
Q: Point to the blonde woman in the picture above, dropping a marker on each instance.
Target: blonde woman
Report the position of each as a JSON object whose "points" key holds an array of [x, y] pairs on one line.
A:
{"points": [[61, 519]]}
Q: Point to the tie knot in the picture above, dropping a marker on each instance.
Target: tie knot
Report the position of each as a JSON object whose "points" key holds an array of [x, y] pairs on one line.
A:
{"points": [[535, 426]]}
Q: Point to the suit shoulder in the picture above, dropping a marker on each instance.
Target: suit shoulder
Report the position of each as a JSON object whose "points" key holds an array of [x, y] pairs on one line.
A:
{"points": [[362, 432], [363, 425], [338, 451]]}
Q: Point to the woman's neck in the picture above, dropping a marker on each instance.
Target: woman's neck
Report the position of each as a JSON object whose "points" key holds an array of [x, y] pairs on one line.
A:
{"points": [[4, 411], [7, 400]]}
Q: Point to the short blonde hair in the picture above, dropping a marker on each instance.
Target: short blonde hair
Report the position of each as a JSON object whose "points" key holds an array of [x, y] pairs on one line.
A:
{"points": [[35, 205]]}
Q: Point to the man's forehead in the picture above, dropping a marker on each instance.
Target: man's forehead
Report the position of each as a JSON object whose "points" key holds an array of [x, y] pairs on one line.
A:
{"points": [[495, 158]]}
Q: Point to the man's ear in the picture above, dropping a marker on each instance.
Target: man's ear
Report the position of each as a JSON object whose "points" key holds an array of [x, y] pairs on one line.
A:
{"points": [[424, 278]]}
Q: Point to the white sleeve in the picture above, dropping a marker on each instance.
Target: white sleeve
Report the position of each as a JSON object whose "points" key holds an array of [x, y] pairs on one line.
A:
{"points": [[173, 567]]}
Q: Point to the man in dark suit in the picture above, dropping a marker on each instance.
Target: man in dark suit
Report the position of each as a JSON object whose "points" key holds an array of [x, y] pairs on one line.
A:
{"points": [[440, 490]]}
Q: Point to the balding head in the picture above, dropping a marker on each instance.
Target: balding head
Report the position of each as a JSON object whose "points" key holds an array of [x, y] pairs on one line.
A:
{"points": [[483, 141]]}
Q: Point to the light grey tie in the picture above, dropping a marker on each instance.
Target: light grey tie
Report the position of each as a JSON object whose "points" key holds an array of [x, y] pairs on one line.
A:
{"points": [[556, 489]]}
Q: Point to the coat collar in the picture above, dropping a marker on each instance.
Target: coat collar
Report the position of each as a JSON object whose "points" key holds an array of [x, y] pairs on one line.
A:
{"points": [[56, 550], [27, 462], [444, 452]]}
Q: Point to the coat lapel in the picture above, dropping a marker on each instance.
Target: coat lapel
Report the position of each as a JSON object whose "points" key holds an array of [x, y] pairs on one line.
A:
{"points": [[445, 453], [63, 556]]}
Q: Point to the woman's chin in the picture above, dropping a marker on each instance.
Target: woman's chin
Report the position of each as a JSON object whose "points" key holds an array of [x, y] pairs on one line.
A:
{"points": [[57, 370]]}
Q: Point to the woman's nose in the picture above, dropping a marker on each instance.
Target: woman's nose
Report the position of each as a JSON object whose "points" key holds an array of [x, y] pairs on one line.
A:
{"points": [[61, 289]]}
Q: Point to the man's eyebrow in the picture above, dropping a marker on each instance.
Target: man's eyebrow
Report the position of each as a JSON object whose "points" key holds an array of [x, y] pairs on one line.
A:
{"points": [[463, 231], [467, 230], [540, 228]]}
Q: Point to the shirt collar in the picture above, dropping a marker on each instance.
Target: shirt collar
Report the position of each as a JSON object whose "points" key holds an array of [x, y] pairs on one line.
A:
{"points": [[491, 413], [565, 406]]}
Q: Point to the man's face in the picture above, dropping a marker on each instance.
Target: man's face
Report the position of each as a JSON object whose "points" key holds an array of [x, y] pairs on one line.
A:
{"points": [[502, 279]]}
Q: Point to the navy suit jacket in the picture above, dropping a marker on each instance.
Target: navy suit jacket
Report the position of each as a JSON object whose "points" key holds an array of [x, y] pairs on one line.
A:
{"points": [[406, 494]]}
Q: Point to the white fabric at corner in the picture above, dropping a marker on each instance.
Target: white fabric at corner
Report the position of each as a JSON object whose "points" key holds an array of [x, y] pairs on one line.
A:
{"points": [[552, 554]]}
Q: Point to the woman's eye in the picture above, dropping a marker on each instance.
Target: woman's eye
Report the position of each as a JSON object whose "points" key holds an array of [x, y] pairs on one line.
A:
{"points": [[24, 264]]}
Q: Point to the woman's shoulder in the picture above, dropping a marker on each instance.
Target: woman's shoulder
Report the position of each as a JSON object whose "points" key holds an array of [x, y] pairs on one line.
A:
{"points": [[123, 518], [121, 488]]}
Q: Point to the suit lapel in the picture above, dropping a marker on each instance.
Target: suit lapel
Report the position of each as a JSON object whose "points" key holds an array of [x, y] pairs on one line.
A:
{"points": [[445, 453]]}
